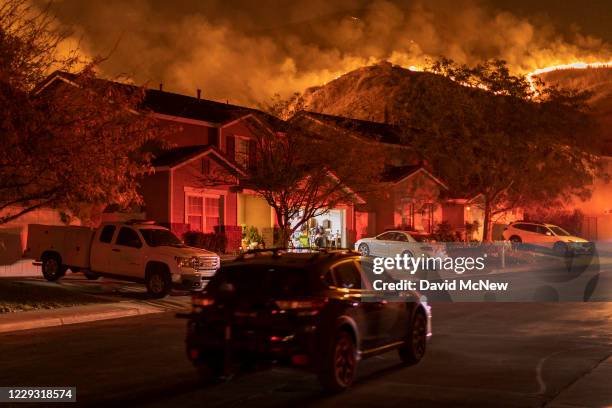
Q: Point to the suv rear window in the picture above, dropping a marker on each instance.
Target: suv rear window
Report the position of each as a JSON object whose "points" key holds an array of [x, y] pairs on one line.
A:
{"points": [[269, 280], [347, 275]]}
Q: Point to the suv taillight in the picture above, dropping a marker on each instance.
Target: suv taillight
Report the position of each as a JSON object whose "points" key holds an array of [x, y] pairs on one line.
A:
{"points": [[302, 306], [202, 301]]}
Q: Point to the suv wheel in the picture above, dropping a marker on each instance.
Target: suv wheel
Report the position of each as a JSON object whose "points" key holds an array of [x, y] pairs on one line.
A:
{"points": [[364, 249], [52, 268], [339, 364], [415, 344], [515, 241], [158, 282]]}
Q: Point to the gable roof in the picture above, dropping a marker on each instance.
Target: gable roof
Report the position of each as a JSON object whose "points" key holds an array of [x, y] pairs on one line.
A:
{"points": [[373, 131], [397, 174], [176, 157], [178, 105], [193, 108]]}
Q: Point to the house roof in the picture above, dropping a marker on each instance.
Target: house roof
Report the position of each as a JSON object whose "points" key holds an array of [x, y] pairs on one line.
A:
{"points": [[397, 174], [175, 157], [193, 108], [374, 131], [173, 104]]}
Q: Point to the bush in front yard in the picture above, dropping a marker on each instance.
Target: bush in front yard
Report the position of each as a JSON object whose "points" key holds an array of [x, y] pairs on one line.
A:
{"points": [[216, 242]]}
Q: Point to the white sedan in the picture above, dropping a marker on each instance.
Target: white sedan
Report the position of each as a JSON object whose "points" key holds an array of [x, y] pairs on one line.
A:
{"points": [[391, 243]]}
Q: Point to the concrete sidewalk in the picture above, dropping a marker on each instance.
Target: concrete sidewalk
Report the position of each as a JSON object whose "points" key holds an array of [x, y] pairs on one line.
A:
{"points": [[10, 322], [21, 268], [594, 389]]}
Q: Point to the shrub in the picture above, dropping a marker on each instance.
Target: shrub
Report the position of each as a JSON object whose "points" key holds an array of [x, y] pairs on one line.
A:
{"points": [[444, 232], [569, 220], [251, 237], [216, 242]]}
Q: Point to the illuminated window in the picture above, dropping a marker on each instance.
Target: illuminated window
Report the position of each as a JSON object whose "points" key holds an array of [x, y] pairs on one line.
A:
{"points": [[194, 213], [242, 151], [203, 213], [212, 212]]}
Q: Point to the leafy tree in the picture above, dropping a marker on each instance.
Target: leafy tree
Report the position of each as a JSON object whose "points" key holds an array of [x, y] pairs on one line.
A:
{"points": [[497, 137], [73, 143]]}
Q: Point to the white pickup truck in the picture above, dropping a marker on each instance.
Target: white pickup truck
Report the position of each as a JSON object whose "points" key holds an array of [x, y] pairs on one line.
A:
{"points": [[138, 251]]}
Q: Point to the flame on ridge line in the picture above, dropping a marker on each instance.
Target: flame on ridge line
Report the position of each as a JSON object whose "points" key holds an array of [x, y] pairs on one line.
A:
{"points": [[574, 65], [530, 75]]}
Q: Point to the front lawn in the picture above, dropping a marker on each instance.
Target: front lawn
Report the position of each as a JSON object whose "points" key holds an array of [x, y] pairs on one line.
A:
{"points": [[18, 295]]}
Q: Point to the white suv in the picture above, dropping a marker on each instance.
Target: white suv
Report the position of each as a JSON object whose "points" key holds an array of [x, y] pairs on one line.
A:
{"points": [[548, 236]]}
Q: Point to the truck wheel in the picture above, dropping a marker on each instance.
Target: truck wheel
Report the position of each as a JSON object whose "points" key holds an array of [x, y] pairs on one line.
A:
{"points": [[413, 349], [158, 282], [52, 268], [339, 363]]}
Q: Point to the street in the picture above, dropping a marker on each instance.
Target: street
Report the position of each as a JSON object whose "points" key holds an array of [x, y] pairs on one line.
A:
{"points": [[502, 354]]}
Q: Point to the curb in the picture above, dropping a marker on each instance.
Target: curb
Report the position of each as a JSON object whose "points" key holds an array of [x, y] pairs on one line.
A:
{"points": [[591, 390], [12, 322]]}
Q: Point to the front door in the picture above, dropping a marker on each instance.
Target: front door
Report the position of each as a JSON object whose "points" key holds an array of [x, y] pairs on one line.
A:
{"points": [[127, 257]]}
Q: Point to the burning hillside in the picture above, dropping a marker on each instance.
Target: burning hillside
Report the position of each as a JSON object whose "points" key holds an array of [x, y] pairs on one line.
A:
{"points": [[376, 93], [382, 92], [598, 81]]}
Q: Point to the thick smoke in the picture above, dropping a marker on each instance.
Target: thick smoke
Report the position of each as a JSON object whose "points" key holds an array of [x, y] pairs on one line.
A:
{"points": [[246, 51]]}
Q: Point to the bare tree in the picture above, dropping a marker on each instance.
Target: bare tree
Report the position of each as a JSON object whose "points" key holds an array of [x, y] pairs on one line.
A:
{"points": [[302, 175]]}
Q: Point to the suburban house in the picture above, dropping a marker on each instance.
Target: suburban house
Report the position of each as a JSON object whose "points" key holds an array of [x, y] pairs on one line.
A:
{"points": [[214, 137], [413, 196], [211, 137]]}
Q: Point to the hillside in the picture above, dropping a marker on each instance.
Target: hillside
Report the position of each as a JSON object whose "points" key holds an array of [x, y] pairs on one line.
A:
{"points": [[378, 93], [383, 92], [598, 81]]}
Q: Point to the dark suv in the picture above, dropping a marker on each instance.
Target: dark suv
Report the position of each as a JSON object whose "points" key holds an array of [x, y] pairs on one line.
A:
{"points": [[315, 311]]}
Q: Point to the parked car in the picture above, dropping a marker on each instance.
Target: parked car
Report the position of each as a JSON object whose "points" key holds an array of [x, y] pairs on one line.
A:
{"points": [[134, 251], [547, 236], [305, 310], [391, 243]]}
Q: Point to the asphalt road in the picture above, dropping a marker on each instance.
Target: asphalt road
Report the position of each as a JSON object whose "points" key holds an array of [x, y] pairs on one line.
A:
{"points": [[504, 354]]}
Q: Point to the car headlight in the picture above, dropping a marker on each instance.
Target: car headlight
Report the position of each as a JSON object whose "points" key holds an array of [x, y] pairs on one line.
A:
{"points": [[184, 262]]}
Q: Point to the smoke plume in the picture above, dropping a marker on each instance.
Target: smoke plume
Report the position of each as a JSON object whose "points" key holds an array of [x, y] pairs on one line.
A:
{"points": [[245, 51]]}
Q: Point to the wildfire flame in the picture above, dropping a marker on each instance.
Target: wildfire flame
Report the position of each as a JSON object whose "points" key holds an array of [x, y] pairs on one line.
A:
{"points": [[576, 65]]}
